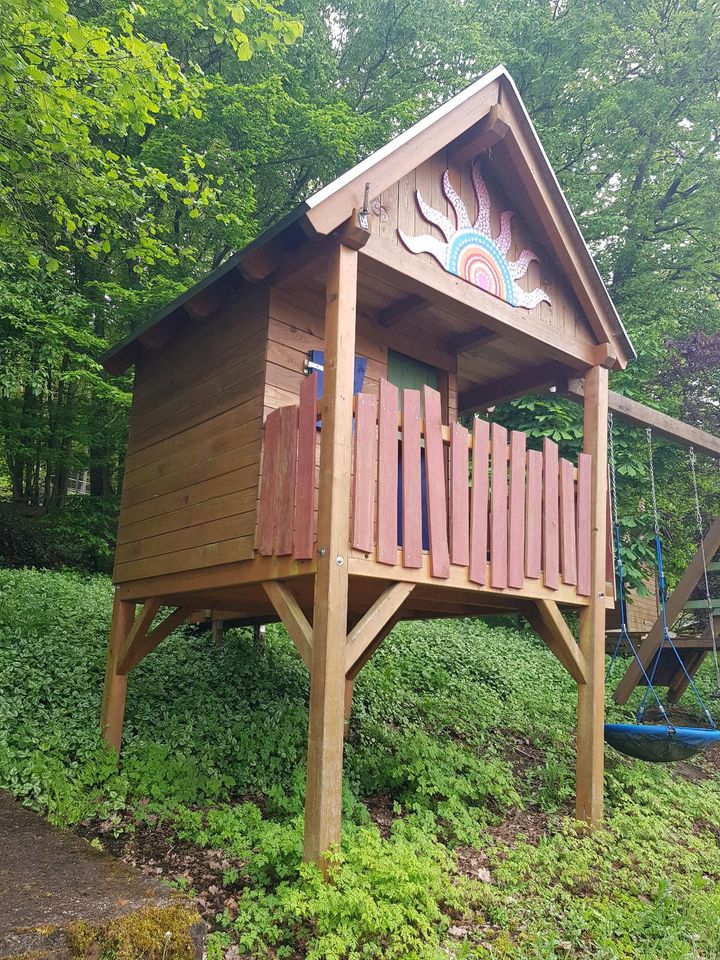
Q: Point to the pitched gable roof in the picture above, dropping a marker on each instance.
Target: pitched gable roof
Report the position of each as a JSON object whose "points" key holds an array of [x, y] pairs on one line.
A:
{"points": [[493, 101]]}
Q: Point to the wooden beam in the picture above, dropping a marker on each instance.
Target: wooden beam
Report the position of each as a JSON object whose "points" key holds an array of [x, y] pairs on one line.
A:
{"points": [[662, 425], [310, 260], [145, 642], [293, 619], [351, 234], [491, 130], [205, 303], [546, 620], [675, 603], [591, 694], [370, 625], [461, 342], [487, 395], [428, 280], [112, 713], [323, 798], [402, 308]]}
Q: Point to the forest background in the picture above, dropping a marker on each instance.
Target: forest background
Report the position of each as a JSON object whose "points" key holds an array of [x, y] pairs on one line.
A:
{"points": [[142, 145]]}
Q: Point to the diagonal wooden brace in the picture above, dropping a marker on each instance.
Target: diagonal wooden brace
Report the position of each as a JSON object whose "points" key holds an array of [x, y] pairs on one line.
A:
{"points": [[372, 623], [294, 620], [675, 603], [141, 640], [546, 620]]}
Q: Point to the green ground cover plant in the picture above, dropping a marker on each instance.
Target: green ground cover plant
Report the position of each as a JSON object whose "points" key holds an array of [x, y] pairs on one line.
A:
{"points": [[458, 837]]}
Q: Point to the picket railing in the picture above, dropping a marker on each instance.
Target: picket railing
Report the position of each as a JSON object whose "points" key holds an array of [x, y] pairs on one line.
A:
{"points": [[505, 513]]}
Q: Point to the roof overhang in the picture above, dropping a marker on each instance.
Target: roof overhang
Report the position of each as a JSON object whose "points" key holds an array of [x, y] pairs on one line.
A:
{"points": [[493, 108]]}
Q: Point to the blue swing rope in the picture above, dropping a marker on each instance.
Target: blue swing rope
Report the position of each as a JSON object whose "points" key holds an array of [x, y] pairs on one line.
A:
{"points": [[624, 634], [662, 590]]}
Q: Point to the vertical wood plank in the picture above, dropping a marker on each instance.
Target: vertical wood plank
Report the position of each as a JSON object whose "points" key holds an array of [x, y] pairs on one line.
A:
{"points": [[551, 505], [323, 796], [568, 552], [584, 490], [364, 472], [459, 496], [411, 484], [516, 520], [498, 508], [387, 525], [436, 488], [533, 515], [266, 507], [285, 483], [591, 695], [304, 521], [480, 501]]}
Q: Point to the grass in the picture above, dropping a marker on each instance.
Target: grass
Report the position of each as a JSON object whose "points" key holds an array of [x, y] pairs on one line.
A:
{"points": [[462, 733]]}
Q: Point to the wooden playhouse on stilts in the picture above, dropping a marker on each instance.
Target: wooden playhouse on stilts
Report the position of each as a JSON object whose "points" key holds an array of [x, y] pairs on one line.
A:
{"points": [[294, 448]]}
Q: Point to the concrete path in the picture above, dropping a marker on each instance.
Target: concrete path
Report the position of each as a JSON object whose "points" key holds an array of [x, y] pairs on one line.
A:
{"points": [[59, 898]]}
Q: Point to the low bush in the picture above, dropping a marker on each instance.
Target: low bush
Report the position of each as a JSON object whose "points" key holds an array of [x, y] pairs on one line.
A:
{"points": [[461, 733]]}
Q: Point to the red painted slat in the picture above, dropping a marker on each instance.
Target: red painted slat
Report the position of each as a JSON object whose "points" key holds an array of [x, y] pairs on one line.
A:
{"points": [[411, 486], [516, 538], [479, 504], [266, 507], [498, 508], [551, 510], [459, 496], [364, 472], [436, 488], [584, 493], [387, 473], [304, 522], [568, 552], [533, 515], [286, 469]]}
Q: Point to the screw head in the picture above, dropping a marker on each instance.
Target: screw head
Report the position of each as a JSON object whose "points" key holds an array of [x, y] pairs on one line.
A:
{"points": [[339, 560]]}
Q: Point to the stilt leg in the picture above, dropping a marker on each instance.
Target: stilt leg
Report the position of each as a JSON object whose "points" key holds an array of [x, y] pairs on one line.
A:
{"points": [[323, 797], [113, 704], [591, 695]]}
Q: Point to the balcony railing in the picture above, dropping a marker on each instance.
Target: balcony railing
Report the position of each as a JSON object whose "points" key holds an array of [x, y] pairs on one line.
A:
{"points": [[479, 500]]}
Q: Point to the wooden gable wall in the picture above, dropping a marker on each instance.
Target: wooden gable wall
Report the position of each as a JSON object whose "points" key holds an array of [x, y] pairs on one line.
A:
{"points": [[190, 485], [397, 208]]}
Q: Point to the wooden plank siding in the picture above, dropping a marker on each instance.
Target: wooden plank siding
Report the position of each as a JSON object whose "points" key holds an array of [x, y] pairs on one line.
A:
{"points": [[190, 486]]}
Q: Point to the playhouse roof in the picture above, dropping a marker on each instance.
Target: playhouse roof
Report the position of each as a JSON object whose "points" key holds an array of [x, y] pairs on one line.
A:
{"points": [[493, 99]]}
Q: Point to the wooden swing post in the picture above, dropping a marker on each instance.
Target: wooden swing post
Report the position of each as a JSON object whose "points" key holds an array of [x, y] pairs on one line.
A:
{"points": [[591, 694]]}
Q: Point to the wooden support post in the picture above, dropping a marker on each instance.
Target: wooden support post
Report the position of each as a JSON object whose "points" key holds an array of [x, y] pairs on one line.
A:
{"points": [[327, 684], [591, 694], [112, 713]]}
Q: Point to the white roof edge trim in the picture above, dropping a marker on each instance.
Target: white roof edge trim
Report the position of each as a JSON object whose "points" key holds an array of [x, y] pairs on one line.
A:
{"points": [[354, 172]]}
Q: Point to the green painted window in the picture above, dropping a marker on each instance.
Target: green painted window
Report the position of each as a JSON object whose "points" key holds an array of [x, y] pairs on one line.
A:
{"points": [[410, 374]]}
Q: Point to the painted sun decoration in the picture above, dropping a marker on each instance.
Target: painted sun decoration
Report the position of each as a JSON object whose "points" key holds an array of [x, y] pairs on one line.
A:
{"points": [[470, 252]]}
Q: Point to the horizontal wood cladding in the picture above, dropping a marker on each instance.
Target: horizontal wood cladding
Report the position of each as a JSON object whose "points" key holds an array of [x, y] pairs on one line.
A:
{"points": [[190, 488], [297, 326]]}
